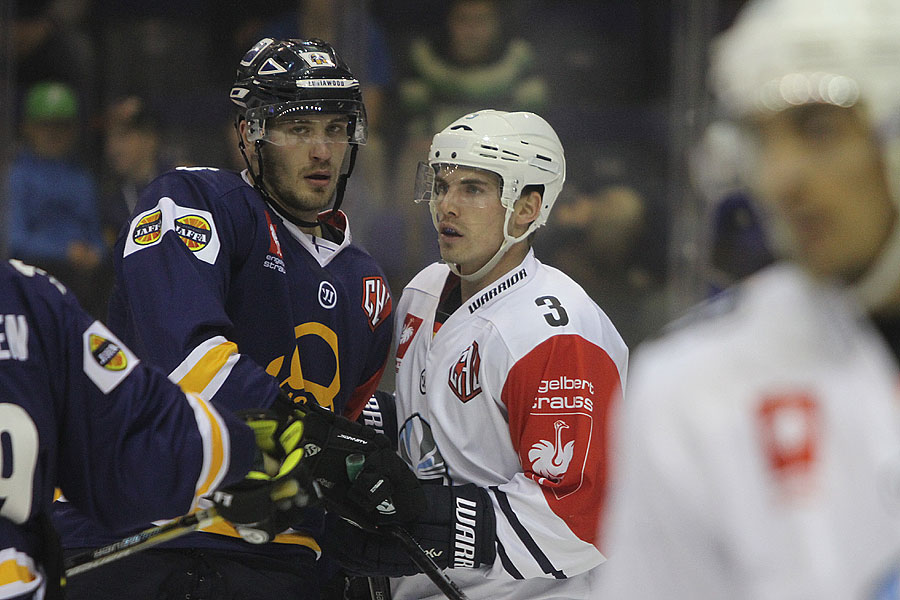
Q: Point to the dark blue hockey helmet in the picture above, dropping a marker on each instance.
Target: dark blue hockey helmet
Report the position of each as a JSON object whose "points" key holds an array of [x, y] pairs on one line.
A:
{"points": [[278, 78]]}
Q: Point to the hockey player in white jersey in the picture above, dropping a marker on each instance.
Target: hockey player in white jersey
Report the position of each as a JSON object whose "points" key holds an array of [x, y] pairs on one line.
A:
{"points": [[760, 441], [506, 372]]}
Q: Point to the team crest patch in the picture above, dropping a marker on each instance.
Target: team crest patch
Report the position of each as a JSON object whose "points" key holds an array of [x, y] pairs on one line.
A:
{"points": [[376, 301], [148, 229], [194, 227], [194, 231], [107, 361], [557, 450], [107, 354], [411, 325], [317, 59], [464, 374]]}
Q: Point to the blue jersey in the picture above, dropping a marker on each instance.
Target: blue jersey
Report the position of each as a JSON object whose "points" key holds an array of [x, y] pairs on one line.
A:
{"points": [[79, 412], [234, 302]]}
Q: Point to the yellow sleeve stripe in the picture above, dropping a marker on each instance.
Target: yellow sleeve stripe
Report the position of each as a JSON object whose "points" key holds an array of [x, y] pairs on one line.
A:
{"points": [[18, 575], [206, 367], [216, 445]]}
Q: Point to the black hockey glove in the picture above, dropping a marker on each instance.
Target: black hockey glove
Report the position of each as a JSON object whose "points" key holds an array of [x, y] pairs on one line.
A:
{"points": [[264, 502], [456, 530], [379, 486]]}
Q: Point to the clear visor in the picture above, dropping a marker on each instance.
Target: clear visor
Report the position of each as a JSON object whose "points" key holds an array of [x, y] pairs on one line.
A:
{"points": [[315, 121], [467, 186]]}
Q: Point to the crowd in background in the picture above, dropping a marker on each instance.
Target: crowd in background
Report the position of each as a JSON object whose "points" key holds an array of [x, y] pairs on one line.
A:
{"points": [[110, 93]]}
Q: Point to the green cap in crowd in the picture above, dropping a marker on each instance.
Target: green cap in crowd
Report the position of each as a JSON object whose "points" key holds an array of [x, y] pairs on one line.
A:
{"points": [[49, 100]]}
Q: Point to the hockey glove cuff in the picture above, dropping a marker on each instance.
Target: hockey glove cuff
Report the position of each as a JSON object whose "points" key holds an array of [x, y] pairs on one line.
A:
{"points": [[263, 503], [457, 530]]}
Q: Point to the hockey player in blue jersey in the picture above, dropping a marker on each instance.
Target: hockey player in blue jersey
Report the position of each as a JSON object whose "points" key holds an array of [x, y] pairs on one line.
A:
{"points": [[80, 412], [239, 282]]}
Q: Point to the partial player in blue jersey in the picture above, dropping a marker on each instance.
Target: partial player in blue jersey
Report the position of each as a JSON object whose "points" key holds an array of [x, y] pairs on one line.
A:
{"points": [[232, 282], [79, 412]]}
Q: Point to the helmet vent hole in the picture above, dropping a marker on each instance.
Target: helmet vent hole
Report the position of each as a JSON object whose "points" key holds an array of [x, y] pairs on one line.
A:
{"points": [[466, 127], [437, 154], [543, 157], [453, 155]]}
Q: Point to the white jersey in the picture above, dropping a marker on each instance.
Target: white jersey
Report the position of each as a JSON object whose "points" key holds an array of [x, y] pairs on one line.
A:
{"points": [[760, 454], [512, 393]]}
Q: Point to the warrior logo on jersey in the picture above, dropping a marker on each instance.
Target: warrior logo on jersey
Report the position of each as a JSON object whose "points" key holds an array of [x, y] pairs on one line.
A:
{"points": [[376, 301], [194, 231], [106, 360], [463, 378], [551, 459], [106, 353], [148, 229], [410, 326]]}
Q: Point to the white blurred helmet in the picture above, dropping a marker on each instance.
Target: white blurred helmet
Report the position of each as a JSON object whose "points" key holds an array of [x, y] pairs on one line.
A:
{"points": [[520, 147], [783, 53]]}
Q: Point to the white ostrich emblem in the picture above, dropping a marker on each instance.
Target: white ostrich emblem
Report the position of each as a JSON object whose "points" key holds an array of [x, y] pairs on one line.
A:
{"points": [[406, 334], [551, 460]]}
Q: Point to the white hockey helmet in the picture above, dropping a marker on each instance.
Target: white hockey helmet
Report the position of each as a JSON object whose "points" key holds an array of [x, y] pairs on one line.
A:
{"points": [[520, 147], [783, 53]]}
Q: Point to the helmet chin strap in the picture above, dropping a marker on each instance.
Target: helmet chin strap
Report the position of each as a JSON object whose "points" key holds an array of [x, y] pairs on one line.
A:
{"points": [[508, 242]]}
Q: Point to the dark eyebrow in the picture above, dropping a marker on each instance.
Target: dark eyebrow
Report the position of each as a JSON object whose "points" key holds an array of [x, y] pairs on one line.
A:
{"points": [[466, 181]]}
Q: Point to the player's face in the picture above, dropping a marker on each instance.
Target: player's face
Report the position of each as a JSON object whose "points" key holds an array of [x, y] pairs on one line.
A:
{"points": [[821, 172], [302, 161], [469, 216]]}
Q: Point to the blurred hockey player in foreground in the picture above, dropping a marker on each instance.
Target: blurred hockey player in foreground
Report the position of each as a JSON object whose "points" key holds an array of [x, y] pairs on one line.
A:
{"points": [[506, 373], [759, 452], [79, 411]]}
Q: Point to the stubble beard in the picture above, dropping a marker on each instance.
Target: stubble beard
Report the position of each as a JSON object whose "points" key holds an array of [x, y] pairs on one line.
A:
{"points": [[287, 189]]}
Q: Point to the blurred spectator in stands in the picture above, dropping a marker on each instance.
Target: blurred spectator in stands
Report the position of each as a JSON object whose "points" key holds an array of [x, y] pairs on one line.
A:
{"points": [[52, 41], [608, 236], [52, 219], [472, 62], [133, 158]]}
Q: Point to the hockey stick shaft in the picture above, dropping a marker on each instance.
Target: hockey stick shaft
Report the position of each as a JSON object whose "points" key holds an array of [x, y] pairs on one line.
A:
{"points": [[447, 586], [148, 538]]}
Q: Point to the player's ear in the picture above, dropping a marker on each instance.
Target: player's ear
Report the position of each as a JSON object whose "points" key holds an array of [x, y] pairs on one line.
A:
{"points": [[527, 209]]}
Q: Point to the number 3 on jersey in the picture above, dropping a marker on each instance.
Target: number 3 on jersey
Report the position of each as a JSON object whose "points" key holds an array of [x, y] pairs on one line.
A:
{"points": [[18, 458], [557, 317]]}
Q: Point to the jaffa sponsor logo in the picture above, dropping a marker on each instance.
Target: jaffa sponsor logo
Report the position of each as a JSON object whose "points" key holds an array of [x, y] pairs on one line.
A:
{"points": [[148, 229], [107, 353], [194, 231]]}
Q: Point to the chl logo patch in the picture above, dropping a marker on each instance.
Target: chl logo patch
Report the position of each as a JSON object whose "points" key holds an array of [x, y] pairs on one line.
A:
{"points": [[148, 229], [376, 301], [107, 354], [194, 231], [463, 379]]}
